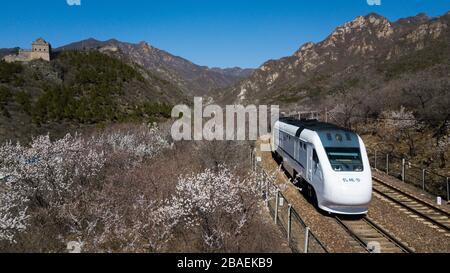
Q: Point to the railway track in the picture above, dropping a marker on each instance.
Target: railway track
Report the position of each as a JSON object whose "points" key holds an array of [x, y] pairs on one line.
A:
{"points": [[372, 237], [419, 209]]}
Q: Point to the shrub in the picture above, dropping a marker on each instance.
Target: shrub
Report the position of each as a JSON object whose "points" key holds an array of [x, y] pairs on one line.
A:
{"points": [[9, 71], [216, 203], [24, 99], [125, 190], [5, 97]]}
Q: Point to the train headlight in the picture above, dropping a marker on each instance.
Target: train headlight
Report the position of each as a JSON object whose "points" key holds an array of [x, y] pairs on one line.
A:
{"points": [[337, 168], [358, 168]]}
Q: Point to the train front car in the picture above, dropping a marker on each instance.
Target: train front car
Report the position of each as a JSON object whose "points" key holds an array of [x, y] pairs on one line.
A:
{"points": [[347, 185], [331, 160]]}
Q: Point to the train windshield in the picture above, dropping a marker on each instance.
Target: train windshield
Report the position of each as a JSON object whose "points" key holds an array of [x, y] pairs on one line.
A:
{"points": [[345, 159]]}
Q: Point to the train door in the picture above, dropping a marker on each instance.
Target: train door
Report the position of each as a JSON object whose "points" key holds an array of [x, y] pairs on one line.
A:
{"points": [[314, 169], [309, 162], [317, 175]]}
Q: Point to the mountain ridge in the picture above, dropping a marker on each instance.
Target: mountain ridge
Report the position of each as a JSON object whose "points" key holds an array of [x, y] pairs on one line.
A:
{"points": [[361, 45], [192, 78], [79, 89]]}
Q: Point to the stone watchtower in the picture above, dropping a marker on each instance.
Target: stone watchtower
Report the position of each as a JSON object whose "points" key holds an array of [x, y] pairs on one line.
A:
{"points": [[40, 49]]}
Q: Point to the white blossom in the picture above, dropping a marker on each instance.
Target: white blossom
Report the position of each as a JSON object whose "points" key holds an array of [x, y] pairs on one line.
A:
{"points": [[47, 170], [44, 172], [13, 212], [214, 202], [401, 119], [143, 143]]}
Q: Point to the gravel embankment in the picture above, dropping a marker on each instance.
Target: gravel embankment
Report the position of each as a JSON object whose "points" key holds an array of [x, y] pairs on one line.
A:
{"points": [[282, 245], [416, 234], [411, 189]]}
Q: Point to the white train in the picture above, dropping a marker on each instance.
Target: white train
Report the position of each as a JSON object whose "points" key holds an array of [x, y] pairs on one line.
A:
{"points": [[329, 162]]}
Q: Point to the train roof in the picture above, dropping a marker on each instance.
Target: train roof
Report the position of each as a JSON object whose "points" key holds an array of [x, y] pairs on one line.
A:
{"points": [[313, 125], [331, 135]]}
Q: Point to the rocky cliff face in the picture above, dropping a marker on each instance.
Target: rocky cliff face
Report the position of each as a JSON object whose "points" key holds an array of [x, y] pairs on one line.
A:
{"points": [[357, 51], [192, 78]]}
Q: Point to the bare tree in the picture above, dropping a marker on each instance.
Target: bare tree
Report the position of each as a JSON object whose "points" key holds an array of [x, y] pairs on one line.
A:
{"points": [[443, 147], [402, 124]]}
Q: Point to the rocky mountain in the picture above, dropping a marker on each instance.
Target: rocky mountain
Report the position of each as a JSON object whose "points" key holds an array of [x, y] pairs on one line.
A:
{"points": [[234, 71], [192, 78], [366, 53]]}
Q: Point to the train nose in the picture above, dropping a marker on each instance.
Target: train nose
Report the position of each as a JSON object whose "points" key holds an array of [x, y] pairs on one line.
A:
{"points": [[352, 190]]}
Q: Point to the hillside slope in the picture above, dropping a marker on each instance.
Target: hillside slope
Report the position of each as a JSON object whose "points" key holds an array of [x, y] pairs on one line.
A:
{"points": [[191, 78], [367, 55], [79, 88]]}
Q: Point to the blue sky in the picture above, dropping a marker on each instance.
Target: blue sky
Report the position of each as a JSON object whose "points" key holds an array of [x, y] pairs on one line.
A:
{"points": [[220, 33]]}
